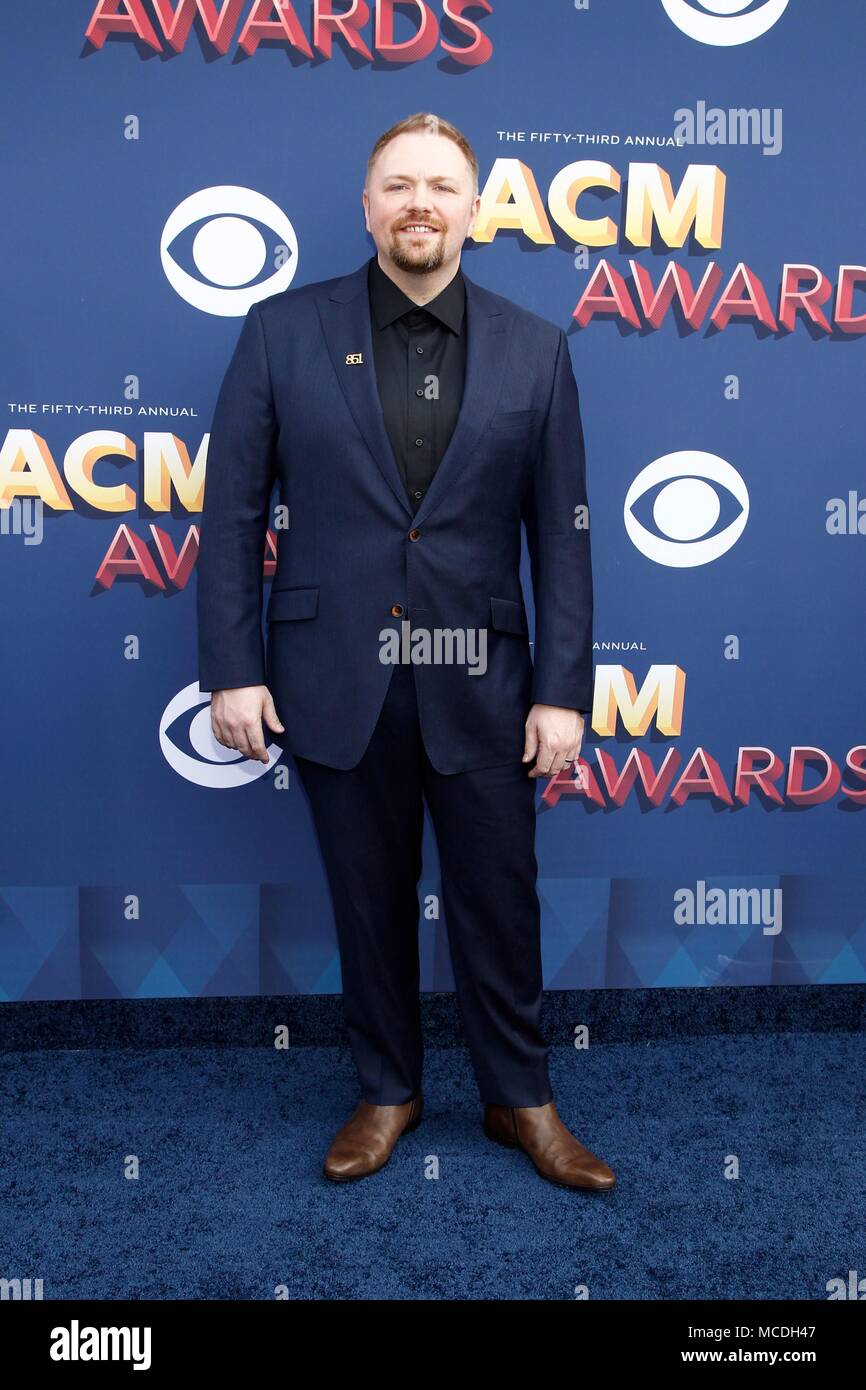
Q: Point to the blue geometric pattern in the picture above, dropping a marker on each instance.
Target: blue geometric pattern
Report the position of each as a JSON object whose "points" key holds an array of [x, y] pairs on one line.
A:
{"points": [[198, 940]]}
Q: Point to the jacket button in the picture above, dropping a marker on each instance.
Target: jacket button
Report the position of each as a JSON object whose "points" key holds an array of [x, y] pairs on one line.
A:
{"points": [[414, 534], [396, 610]]}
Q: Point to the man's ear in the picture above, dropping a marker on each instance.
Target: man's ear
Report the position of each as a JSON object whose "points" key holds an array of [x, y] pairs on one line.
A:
{"points": [[474, 217]]}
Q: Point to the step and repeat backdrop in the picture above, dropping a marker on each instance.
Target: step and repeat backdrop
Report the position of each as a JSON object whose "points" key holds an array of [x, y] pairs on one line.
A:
{"points": [[679, 184]]}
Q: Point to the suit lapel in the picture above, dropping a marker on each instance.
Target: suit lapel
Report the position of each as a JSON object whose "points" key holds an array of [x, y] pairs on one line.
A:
{"points": [[345, 316]]}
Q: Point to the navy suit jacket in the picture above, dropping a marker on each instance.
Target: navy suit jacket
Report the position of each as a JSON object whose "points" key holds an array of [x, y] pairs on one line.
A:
{"points": [[299, 405]]}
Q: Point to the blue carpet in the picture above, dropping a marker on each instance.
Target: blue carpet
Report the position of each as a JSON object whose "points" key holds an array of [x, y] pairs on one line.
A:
{"points": [[231, 1202]]}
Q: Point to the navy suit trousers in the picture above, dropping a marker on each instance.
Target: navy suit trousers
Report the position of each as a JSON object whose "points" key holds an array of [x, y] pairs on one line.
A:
{"points": [[369, 823]]}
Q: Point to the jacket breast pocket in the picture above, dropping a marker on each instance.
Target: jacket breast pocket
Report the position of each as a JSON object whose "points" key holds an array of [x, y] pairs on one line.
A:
{"points": [[292, 603], [506, 615], [512, 419]]}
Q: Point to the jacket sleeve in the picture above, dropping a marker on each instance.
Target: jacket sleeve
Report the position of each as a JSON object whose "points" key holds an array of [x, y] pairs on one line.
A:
{"points": [[239, 477], [559, 550]]}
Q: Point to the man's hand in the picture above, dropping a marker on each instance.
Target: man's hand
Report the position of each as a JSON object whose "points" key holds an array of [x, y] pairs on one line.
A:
{"points": [[236, 719], [553, 738]]}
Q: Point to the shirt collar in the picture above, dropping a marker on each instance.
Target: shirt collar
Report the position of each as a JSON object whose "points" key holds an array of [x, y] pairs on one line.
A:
{"points": [[390, 303]]}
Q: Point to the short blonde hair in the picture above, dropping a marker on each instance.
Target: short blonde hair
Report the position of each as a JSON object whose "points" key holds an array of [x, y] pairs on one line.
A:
{"points": [[434, 125]]}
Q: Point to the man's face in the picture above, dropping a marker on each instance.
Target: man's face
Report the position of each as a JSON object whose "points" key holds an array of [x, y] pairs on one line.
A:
{"points": [[420, 181]]}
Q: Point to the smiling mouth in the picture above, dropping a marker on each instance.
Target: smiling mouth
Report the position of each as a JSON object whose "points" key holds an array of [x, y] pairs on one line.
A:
{"points": [[419, 229]]}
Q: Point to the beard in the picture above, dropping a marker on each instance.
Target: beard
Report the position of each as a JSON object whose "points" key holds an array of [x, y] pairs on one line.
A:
{"points": [[417, 257]]}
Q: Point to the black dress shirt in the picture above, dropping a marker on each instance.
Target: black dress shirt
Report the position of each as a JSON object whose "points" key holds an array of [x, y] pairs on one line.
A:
{"points": [[420, 362]]}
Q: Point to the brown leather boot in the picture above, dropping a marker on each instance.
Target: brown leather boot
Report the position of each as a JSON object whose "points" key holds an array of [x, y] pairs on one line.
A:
{"points": [[556, 1154], [364, 1143]]}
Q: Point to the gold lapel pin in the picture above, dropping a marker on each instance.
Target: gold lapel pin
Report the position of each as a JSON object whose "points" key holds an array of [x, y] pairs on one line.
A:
{"points": [[353, 358]]}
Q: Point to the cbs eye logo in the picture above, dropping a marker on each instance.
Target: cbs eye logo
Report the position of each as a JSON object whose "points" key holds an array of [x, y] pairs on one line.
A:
{"points": [[686, 508], [214, 765], [229, 249], [724, 23]]}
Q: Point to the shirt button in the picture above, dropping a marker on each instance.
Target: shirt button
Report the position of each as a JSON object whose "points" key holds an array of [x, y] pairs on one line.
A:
{"points": [[414, 535], [419, 350], [419, 391], [396, 610], [419, 442], [417, 494]]}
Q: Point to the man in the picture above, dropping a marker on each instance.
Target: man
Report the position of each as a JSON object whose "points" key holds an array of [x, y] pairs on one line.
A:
{"points": [[413, 419]]}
